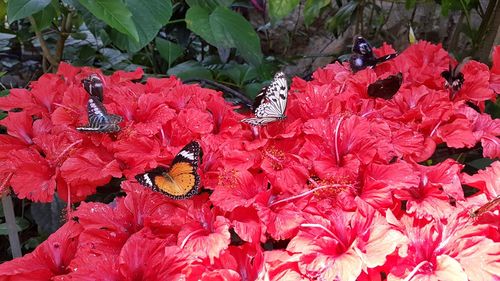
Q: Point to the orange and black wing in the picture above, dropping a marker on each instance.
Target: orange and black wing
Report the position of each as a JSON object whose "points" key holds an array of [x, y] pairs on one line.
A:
{"points": [[181, 181]]}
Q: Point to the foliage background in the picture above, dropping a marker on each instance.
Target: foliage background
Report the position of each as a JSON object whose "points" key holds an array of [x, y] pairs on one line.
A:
{"points": [[236, 44]]}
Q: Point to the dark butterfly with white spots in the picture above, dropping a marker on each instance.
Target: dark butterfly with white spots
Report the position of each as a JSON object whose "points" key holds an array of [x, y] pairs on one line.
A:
{"points": [[386, 88], [181, 180], [100, 120], [94, 86], [363, 56], [454, 79], [270, 103]]}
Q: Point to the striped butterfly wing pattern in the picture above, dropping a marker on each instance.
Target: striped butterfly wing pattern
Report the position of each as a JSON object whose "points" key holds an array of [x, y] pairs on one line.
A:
{"points": [[363, 56], [272, 101], [99, 119], [181, 180], [94, 86]]}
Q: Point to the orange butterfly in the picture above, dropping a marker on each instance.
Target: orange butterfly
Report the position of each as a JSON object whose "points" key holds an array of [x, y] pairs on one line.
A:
{"points": [[181, 180]]}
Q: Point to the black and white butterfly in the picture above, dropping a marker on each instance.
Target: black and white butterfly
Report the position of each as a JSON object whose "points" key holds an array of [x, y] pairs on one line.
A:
{"points": [[94, 86], [454, 79], [99, 119], [363, 56], [386, 88], [270, 103]]}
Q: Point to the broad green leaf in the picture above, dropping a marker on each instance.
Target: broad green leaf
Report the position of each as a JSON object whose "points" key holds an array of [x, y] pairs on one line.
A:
{"points": [[481, 163], [197, 20], [44, 18], [338, 23], [190, 69], [279, 9], [114, 13], [19, 9], [148, 17], [312, 10], [21, 224], [239, 73], [231, 29], [169, 51], [209, 4]]}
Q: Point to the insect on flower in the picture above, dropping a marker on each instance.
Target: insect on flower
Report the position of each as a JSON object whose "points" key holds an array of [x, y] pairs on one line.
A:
{"points": [[270, 103], [386, 88], [454, 79], [99, 119], [489, 206], [363, 56], [94, 86], [181, 180]]}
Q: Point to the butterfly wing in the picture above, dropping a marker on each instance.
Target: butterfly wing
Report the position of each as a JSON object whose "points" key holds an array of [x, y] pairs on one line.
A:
{"points": [[386, 88], [272, 102], [276, 97], [94, 86], [259, 121], [386, 58], [99, 119], [181, 180]]}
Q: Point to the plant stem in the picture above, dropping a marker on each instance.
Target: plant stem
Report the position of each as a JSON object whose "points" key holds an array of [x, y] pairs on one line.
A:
{"points": [[43, 44], [232, 92], [10, 219], [63, 35]]}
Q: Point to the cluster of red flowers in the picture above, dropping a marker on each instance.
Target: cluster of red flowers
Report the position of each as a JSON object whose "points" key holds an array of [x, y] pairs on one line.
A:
{"points": [[336, 191]]}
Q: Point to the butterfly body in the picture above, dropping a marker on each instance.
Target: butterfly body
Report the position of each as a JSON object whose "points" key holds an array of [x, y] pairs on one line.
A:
{"points": [[94, 86], [453, 78], [363, 56], [489, 206], [386, 88], [181, 180], [270, 103], [99, 119]]}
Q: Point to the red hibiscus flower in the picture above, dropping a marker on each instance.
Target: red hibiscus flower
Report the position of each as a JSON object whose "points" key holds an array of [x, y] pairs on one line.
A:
{"points": [[48, 260]]}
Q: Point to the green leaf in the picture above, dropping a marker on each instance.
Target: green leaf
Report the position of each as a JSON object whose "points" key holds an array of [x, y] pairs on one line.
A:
{"points": [[114, 13], [209, 4], [5, 92], [33, 242], [231, 29], [197, 20], [21, 224], [148, 17], [3, 9], [19, 9], [338, 23], [239, 73], [169, 51], [312, 10], [190, 69], [278, 9], [481, 163], [410, 4], [44, 18]]}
